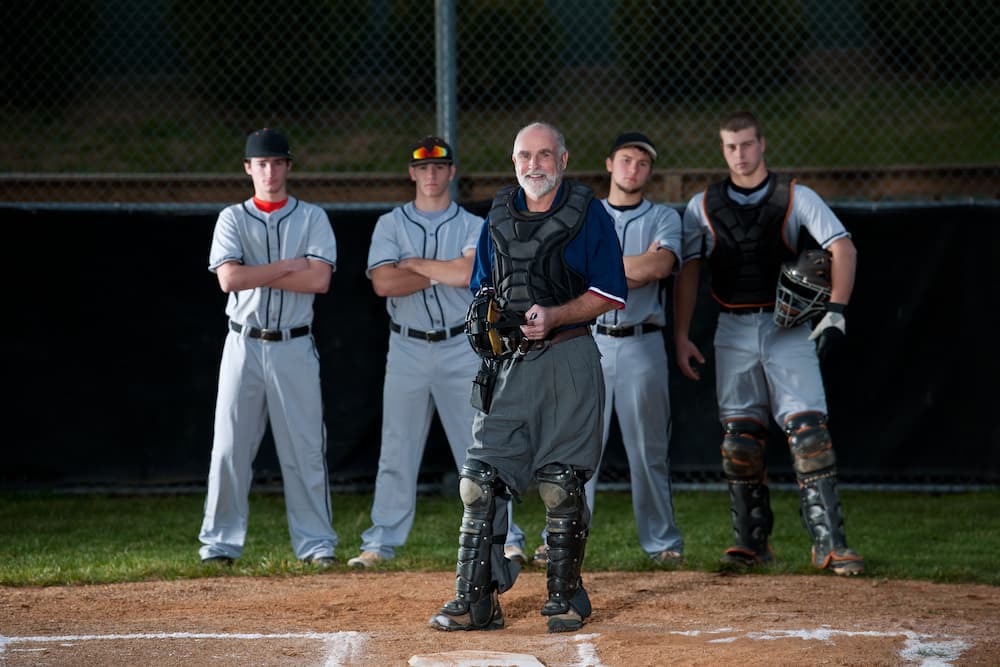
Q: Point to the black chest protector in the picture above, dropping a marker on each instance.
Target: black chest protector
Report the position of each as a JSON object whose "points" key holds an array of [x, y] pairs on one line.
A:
{"points": [[749, 247], [529, 266]]}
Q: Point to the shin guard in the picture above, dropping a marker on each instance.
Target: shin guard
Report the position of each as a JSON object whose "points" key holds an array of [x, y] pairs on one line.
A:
{"points": [[566, 522], [482, 571]]}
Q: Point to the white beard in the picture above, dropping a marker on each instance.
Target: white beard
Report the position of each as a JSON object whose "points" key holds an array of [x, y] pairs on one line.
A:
{"points": [[538, 188]]}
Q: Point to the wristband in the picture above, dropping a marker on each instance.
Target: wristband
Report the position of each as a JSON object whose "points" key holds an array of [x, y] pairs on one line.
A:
{"points": [[836, 307]]}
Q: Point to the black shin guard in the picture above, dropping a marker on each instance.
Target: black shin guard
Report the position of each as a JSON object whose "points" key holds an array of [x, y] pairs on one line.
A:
{"points": [[821, 513], [824, 519], [562, 491], [750, 506], [476, 576], [749, 497]]}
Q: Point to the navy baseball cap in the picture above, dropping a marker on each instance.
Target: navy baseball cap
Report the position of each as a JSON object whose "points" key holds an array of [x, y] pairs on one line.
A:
{"points": [[431, 150], [267, 143], [637, 139]]}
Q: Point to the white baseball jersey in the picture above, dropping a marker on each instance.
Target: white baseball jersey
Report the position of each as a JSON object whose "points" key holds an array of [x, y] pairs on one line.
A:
{"points": [[637, 229], [249, 236], [809, 211], [405, 232]]}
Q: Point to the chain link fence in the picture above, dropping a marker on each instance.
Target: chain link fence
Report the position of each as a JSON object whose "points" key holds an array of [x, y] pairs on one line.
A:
{"points": [[150, 100]]}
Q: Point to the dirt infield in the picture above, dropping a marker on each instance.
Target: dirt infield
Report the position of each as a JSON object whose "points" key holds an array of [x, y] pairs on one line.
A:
{"points": [[347, 618]]}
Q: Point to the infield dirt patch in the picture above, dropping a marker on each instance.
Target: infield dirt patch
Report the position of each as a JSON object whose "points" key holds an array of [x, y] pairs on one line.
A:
{"points": [[353, 618]]}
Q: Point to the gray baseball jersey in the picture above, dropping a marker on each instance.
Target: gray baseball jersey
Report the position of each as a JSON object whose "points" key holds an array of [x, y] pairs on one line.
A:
{"points": [[269, 380], [421, 374], [761, 368], [636, 383]]}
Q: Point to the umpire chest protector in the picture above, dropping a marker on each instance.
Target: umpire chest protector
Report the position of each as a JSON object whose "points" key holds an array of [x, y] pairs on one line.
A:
{"points": [[529, 266], [749, 244]]}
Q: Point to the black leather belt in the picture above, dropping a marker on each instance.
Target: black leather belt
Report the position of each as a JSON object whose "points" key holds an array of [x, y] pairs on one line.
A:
{"points": [[623, 332], [435, 336], [527, 345], [270, 334], [738, 310]]}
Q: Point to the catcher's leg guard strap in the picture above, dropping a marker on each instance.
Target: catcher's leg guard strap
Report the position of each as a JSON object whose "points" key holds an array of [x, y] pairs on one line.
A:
{"points": [[811, 445], [743, 450], [562, 492], [750, 505]]}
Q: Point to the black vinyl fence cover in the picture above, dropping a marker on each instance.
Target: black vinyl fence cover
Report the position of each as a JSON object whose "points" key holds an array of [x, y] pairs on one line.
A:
{"points": [[117, 328]]}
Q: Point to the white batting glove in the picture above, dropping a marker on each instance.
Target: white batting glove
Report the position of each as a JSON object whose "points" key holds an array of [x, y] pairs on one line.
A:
{"points": [[829, 334], [831, 319]]}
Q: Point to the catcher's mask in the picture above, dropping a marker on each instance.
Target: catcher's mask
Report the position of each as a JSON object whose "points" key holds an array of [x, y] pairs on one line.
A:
{"points": [[803, 288], [492, 332]]}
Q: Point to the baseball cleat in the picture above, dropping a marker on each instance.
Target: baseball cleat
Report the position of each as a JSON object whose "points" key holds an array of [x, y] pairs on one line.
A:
{"points": [[841, 561], [563, 616], [741, 559], [668, 558], [366, 560], [457, 615], [568, 622], [512, 552], [322, 562]]}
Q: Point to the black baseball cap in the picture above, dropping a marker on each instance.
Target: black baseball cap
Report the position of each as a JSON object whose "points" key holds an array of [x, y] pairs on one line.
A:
{"points": [[637, 139], [267, 143], [431, 150]]}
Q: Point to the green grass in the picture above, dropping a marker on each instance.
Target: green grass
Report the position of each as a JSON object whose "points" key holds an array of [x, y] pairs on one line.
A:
{"points": [[843, 125], [54, 539]]}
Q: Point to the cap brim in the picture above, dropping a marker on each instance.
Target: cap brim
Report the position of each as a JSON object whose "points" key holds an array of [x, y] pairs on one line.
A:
{"points": [[639, 144], [432, 160]]}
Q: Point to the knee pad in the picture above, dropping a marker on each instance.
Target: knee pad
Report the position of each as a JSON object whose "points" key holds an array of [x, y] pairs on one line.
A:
{"points": [[560, 487], [810, 443], [479, 483], [743, 449]]}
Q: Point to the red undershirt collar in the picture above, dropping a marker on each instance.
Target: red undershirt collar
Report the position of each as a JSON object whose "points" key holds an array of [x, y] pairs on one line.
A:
{"points": [[269, 206]]}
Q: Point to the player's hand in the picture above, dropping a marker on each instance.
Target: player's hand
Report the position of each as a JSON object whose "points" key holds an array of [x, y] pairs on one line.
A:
{"points": [[829, 334], [538, 322], [686, 351]]}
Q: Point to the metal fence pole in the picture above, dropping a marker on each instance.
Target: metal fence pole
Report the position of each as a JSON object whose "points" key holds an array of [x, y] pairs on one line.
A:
{"points": [[446, 62]]}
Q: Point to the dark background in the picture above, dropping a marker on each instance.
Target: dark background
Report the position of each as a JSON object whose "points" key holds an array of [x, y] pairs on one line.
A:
{"points": [[116, 332]]}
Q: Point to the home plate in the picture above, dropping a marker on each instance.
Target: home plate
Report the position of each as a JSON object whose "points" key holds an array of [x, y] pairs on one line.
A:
{"points": [[475, 659]]}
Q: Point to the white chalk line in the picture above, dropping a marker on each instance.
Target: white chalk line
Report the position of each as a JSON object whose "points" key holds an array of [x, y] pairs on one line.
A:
{"points": [[920, 649], [341, 646]]}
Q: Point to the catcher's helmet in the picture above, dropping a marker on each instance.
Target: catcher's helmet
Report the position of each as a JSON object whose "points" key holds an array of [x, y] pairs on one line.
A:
{"points": [[493, 333], [803, 288]]}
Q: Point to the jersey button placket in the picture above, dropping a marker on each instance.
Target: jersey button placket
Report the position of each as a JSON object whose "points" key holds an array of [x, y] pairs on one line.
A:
{"points": [[274, 250]]}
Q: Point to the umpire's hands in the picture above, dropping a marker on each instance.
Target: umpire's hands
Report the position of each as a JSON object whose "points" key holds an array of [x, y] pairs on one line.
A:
{"points": [[830, 332]]}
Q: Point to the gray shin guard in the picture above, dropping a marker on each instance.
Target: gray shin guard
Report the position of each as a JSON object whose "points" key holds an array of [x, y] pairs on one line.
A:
{"points": [[821, 512], [562, 492], [816, 471], [480, 541], [750, 505]]}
